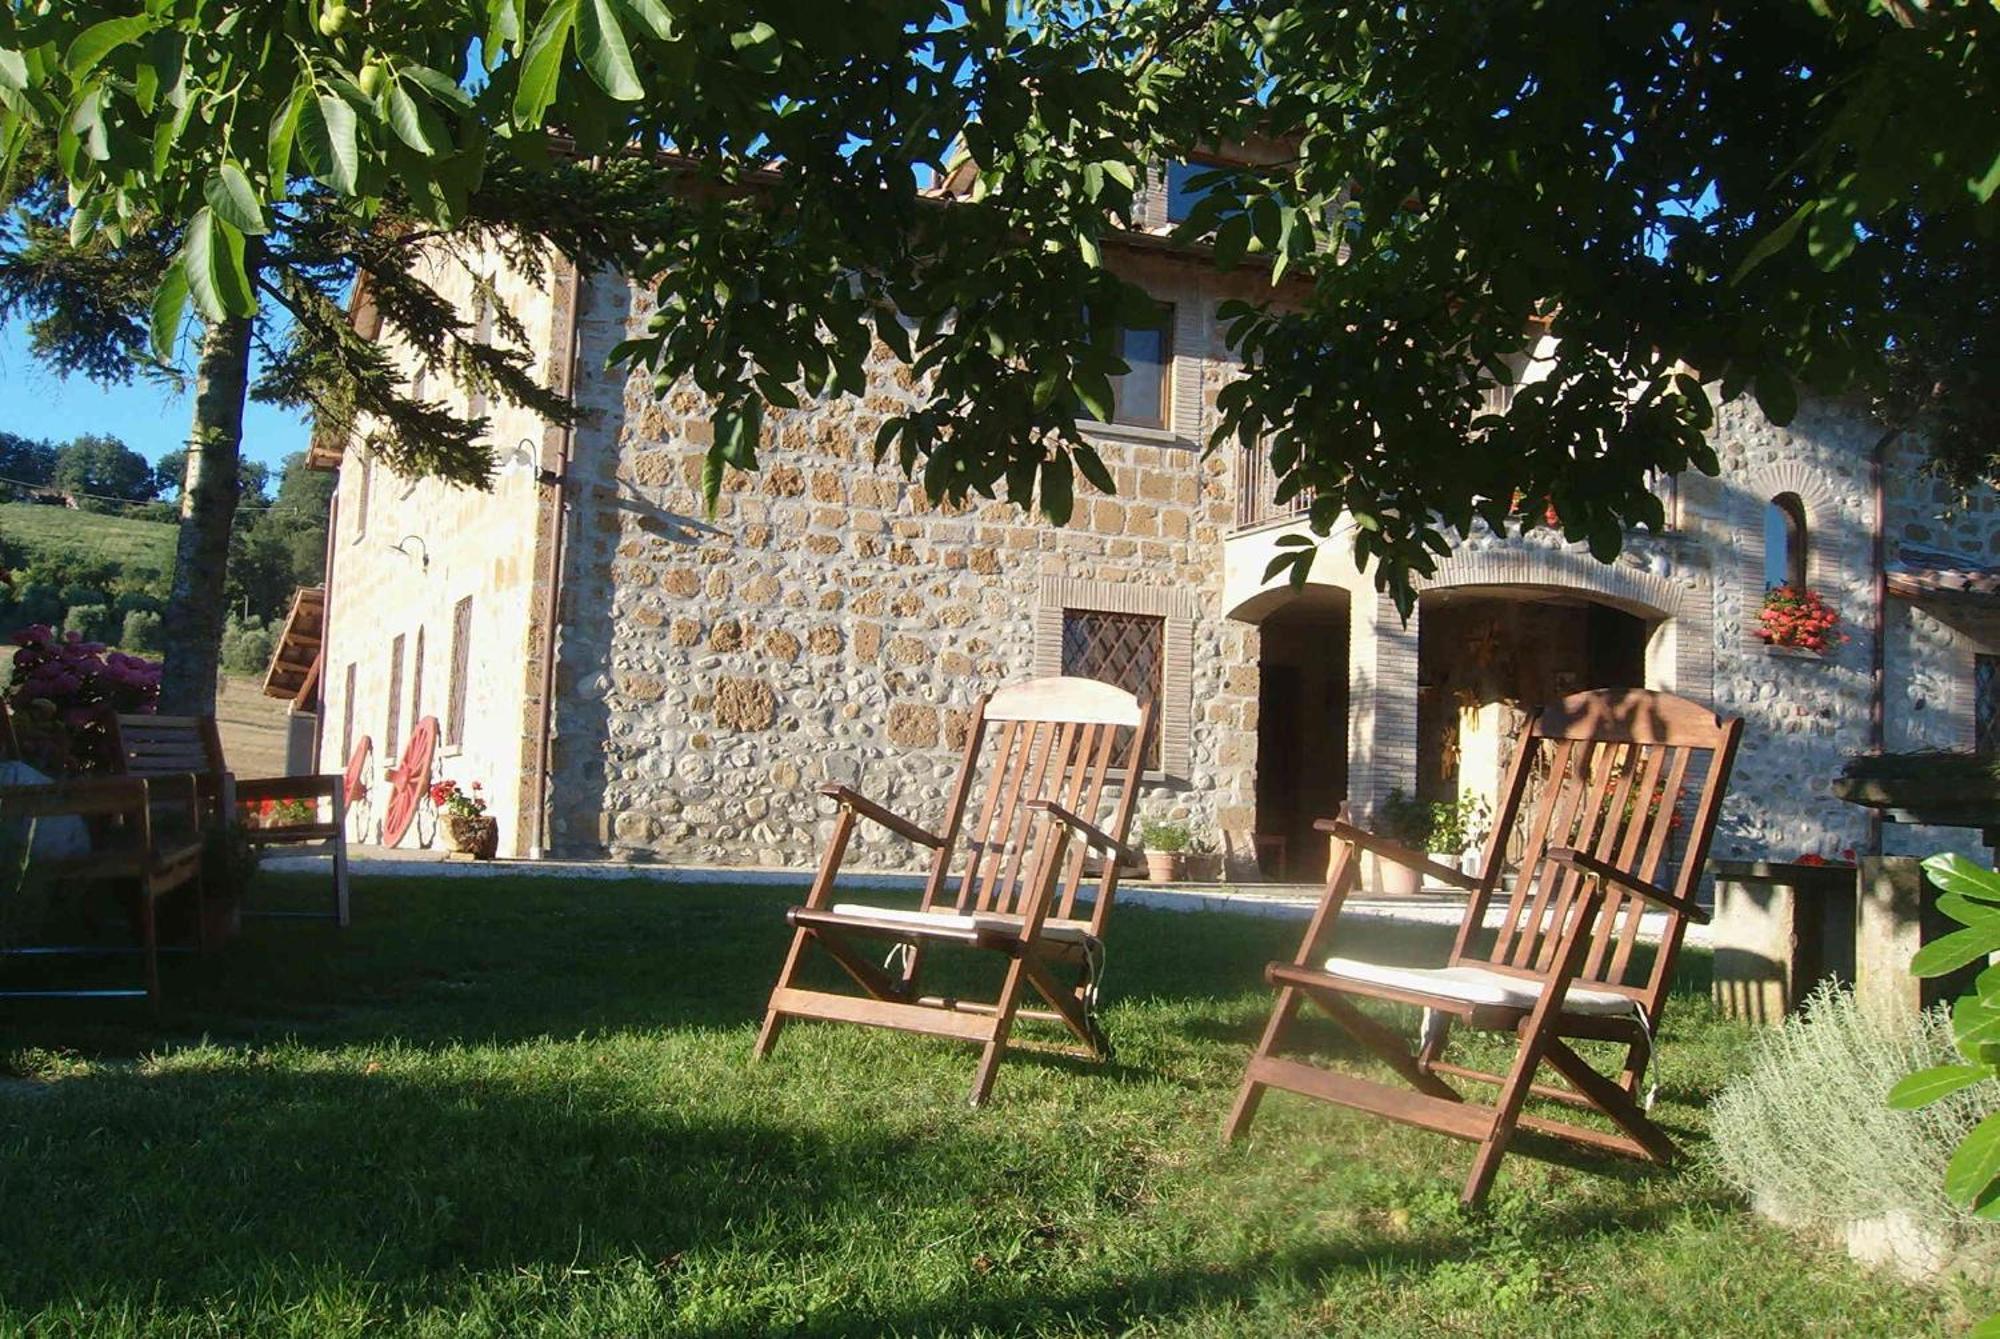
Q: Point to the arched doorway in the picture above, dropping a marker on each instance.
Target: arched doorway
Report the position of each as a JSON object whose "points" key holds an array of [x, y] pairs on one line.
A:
{"points": [[1302, 702], [1486, 654]]}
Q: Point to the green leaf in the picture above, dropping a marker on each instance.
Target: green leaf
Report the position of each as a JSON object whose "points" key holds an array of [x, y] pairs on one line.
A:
{"points": [[13, 71], [1952, 952], [415, 123], [1976, 1163], [1231, 239], [541, 64], [1092, 466], [278, 142], [601, 44], [1776, 395], [1094, 389], [1953, 873], [1058, 485], [213, 257], [653, 14], [1975, 1022], [230, 194], [169, 304], [327, 135], [889, 329], [712, 467], [1928, 1085], [99, 40], [1773, 241], [758, 46], [736, 431], [438, 84]]}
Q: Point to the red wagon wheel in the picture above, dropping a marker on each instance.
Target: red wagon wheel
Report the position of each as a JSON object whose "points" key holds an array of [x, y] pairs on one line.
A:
{"points": [[354, 789], [410, 783]]}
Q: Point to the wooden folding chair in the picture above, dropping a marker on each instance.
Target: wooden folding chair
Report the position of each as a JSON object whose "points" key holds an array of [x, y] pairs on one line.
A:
{"points": [[1053, 743], [1609, 771]]}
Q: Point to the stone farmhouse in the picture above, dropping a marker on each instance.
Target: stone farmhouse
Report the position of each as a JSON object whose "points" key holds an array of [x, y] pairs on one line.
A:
{"points": [[626, 678]]}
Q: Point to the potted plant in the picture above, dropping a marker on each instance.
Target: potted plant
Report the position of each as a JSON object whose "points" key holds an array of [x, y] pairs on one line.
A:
{"points": [[1458, 831], [1801, 620], [463, 818], [1166, 850], [1203, 861], [1408, 822]]}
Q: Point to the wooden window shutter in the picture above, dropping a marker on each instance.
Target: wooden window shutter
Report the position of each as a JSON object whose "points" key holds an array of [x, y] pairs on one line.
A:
{"points": [[417, 681], [461, 650], [347, 716], [392, 734]]}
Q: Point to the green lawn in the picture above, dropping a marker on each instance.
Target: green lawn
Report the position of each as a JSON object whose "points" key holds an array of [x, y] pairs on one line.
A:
{"points": [[526, 1106]]}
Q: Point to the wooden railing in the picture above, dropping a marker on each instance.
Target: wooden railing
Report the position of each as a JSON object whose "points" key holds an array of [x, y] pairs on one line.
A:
{"points": [[1257, 488]]}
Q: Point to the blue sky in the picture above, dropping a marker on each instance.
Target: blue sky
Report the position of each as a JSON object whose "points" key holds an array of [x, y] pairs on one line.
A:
{"points": [[149, 418]]}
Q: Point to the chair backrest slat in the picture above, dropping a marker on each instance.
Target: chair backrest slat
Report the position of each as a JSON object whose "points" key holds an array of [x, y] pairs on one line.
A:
{"points": [[1614, 769], [168, 745], [1057, 740]]}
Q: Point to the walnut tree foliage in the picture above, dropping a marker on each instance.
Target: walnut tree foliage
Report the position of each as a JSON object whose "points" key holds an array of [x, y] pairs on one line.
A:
{"points": [[1764, 197]]}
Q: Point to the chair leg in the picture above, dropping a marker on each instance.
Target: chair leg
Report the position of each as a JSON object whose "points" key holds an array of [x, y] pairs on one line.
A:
{"points": [[1252, 1092], [150, 943], [774, 1022], [1003, 1022]]}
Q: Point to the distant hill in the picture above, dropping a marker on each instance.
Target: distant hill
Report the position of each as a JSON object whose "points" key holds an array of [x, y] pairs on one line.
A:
{"points": [[58, 538]]}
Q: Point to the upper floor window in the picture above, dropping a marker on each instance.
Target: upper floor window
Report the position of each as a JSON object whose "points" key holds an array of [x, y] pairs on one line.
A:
{"points": [[482, 334], [361, 489], [1183, 192], [1785, 542], [1986, 703], [1142, 395]]}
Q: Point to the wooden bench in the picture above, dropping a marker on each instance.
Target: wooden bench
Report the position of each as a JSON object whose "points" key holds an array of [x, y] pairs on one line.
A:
{"points": [[127, 843], [150, 746]]}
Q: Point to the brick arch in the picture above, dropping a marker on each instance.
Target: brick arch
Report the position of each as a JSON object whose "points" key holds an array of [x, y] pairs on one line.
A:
{"points": [[1684, 610], [1824, 552]]}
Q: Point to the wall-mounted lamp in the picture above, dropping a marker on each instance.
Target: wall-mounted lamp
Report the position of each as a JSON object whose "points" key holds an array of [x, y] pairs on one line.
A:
{"points": [[422, 555]]}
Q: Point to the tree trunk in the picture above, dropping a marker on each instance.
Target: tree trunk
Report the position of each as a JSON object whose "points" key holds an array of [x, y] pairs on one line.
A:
{"points": [[198, 600]]}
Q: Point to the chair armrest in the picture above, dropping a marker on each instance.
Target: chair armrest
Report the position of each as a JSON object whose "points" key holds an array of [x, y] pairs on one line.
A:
{"points": [[1611, 874], [1397, 852], [1097, 838], [874, 812]]}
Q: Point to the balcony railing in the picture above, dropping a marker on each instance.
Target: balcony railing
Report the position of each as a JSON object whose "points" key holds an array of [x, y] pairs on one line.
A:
{"points": [[1257, 488]]}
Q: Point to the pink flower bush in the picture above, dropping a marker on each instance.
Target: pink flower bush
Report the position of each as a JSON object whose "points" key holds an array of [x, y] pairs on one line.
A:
{"points": [[1799, 618], [65, 692]]}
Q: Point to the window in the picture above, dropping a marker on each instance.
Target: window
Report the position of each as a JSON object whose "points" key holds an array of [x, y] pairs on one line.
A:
{"points": [[1785, 542], [392, 735], [1127, 650], [347, 715], [361, 498], [461, 649], [1141, 396], [1182, 193], [1986, 703], [482, 333], [417, 680]]}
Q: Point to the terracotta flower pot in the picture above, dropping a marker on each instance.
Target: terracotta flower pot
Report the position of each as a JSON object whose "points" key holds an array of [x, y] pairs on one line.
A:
{"points": [[478, 837], [1166, 866], [1204, 866]]}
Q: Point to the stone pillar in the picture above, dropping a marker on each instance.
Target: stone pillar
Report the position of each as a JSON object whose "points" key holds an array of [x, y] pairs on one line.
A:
{"points": [[301, 740], [1382, 703], [1779, 930], [1898, 916]]}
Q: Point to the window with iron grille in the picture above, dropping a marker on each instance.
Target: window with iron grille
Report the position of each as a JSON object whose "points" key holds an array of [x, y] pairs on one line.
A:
{"points": [[1986, 703], [392, 734], [1126, 650], [461, 648]]}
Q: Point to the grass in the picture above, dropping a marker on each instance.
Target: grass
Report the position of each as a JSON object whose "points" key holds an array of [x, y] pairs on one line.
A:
{"points": [[60, 537], [524, 1106]]}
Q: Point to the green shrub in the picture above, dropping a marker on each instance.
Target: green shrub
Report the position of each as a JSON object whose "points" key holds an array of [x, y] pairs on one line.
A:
{"points": [[141, 631], [1166, 838], [246, 645], [1808, 1132], [92, 622], [1407, 820]]}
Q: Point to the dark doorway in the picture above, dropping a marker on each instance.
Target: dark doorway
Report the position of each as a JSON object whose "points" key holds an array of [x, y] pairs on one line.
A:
{"points": [[1301, 732]]}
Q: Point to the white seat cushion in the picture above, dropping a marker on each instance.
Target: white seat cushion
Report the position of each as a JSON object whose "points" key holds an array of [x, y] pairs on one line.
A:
{"points": [[1066, 931], [1477, 985]]}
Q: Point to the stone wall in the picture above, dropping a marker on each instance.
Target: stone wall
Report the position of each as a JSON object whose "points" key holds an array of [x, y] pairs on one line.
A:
{"points": [[830, 625], [455, 542]]}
